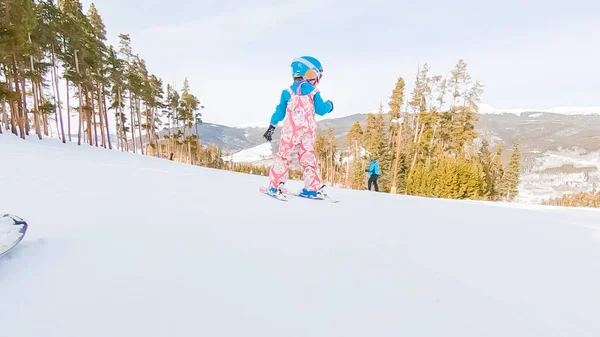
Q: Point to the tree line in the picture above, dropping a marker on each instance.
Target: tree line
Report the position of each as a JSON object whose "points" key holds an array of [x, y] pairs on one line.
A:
{"points": [[577, 199], [50, 50], [426, 145]]}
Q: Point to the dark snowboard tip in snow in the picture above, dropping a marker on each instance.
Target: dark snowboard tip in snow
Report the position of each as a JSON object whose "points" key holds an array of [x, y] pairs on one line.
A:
{"points": [[12, 231]]}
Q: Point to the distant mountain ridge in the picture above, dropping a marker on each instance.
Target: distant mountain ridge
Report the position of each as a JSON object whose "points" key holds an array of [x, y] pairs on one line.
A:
{"points": [[540, 130], [561, 110]]}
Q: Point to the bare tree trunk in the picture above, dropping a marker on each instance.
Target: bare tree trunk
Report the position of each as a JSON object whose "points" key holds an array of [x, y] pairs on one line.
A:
{"points": [[14, 119], [89, 98], [120, 124], [148, 120], [36, 109], [62, 127], [119, 141], [100, 117], [18, 112], [81, 116], [13, 110], [54, 96], [68, 112], [396, 160], [43, 116], [132, 121], [105, 111], [24, 101], [46, 125], [421, 133], [41, 101], [137, 110], [332, 168], [433, 136], [156, 138], [417, 128], [347, 182], [4, 117]]}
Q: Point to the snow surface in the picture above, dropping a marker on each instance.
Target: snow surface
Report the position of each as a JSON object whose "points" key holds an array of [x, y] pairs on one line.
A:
{"points": [[9, 234], [121, 244]]}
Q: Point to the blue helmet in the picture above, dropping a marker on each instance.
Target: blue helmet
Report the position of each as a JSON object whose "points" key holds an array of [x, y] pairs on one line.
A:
{"points": [[307, 67]]}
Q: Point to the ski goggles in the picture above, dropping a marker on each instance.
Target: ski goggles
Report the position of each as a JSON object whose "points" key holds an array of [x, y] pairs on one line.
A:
{"points": [[313, 72]]}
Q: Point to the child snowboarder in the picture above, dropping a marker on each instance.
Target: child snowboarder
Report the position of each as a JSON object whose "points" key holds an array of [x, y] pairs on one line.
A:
{"points": [[297, 107]]}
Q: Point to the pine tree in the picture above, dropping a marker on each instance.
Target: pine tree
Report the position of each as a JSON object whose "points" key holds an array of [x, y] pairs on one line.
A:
{"points": [[188, 106], [375, 141], [355, 165], [395, 104], [42, 43], [511, 178], [100, 69], [326, 147], [397, 99], [485, 159]]}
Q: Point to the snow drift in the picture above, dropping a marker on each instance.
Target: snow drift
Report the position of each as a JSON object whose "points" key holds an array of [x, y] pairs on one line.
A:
{"points": [[125, 245]]}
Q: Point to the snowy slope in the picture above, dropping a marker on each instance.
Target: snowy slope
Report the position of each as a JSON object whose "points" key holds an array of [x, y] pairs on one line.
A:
{"points": [[125, 245], [253, 154]]}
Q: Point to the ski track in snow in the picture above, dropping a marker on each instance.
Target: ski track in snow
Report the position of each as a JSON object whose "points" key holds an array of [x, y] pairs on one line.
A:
{"points": [[120, 244]]}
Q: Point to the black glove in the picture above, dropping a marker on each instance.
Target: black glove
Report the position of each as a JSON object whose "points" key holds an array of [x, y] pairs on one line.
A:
{"points": [[269, 134]]}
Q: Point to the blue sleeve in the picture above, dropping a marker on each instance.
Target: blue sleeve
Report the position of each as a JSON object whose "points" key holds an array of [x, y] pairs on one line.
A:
{"points": [[371, 168], [321, 107], [279, 113]]}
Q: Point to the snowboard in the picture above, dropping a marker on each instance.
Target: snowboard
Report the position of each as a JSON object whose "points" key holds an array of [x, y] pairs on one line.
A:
{"points": [[12, 231]]}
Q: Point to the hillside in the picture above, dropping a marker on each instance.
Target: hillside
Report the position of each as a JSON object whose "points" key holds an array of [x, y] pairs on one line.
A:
{"points": [[561, 152], [114, 250]]}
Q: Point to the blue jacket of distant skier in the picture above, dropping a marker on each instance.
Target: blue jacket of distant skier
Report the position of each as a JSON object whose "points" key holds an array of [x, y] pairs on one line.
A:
{"points": [[321, 107], [374, 168]]}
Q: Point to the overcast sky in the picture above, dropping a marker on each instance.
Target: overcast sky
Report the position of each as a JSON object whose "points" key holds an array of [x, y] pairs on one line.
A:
{"points": [[236, 53]]}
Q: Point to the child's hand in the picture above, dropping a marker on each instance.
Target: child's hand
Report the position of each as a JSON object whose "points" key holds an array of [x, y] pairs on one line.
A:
{"points": [[330, 103], [269, 134]]}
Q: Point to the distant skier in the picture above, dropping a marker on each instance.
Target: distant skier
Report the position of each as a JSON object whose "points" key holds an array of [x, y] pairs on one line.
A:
{"points": [[297, 107], [374, 173]]}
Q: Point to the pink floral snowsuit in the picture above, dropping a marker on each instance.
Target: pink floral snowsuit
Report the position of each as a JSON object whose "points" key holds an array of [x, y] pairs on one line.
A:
{"points": [[299, 132]]}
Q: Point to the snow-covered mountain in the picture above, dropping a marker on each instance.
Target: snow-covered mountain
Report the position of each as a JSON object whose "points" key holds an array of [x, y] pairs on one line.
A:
{"points": [[562, 110], [126, 245]]}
